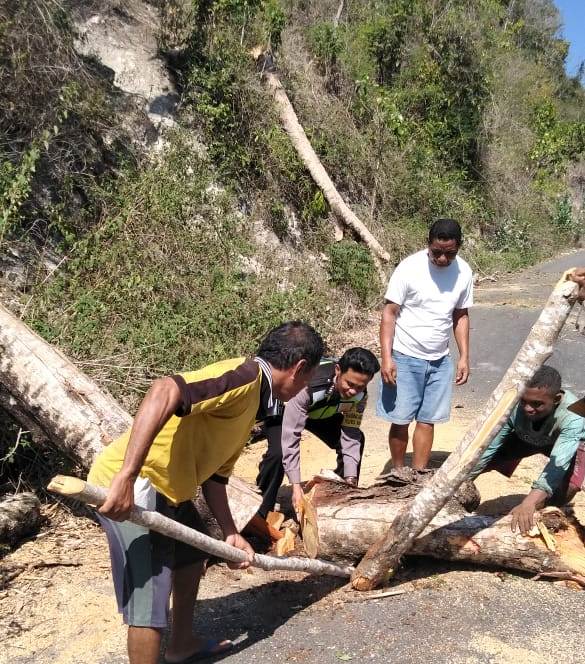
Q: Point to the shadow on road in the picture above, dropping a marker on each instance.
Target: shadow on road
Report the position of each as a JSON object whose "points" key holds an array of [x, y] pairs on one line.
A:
{"points": [[501, 504], [249, 616]]}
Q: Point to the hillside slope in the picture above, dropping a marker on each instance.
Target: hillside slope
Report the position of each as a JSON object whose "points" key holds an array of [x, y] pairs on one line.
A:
{"points": [[141, 249]]}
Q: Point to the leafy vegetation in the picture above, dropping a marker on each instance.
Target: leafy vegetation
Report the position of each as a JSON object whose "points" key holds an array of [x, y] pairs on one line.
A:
{"points": [[416, 108]]}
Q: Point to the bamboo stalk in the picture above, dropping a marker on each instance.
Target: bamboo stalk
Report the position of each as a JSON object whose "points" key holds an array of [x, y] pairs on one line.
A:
{"points": [[94, 495]]}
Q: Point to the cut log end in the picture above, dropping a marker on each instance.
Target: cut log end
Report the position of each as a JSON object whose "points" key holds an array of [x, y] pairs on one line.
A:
{"points": [[20, 516], [309, 528], [66, 485]]}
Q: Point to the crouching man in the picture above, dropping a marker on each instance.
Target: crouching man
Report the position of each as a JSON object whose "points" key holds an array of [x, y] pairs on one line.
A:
{"points": [[188, 432], [541, 423], [331, 407]]}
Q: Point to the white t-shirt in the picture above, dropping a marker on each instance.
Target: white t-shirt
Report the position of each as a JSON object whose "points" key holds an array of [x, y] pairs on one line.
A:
{"points": [[427, 296]]}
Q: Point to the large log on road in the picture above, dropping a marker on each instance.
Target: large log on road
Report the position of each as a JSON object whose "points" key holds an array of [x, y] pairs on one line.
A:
{"points": [[341, 522]]}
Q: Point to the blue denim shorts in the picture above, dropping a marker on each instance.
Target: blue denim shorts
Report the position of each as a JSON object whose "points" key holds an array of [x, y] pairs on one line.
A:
{"points": [[422, 392]]}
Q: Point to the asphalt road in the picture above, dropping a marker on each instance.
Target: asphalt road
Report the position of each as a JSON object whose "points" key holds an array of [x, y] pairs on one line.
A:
{"points": [[502, 318]]}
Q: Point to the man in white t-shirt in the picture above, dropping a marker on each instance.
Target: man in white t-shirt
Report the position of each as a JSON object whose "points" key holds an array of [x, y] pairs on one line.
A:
{"points": [[429, 294]]}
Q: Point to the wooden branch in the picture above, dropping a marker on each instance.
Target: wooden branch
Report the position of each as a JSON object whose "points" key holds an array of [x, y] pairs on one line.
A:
{"points": [[80, 490], [308, 156], [51, 397], [338, 13], [382, 559]]}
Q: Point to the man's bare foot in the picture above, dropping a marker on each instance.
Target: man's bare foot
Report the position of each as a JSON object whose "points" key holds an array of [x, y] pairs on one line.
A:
{"points": [[201, 649]]}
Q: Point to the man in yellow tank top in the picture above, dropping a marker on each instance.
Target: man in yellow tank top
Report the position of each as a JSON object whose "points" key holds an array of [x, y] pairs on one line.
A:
{"points": [[188, 432]]}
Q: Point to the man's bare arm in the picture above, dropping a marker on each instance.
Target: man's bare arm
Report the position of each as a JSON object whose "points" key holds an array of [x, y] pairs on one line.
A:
{"points": [[387, 328], [216, 498], [461, 333], [159, 404]]}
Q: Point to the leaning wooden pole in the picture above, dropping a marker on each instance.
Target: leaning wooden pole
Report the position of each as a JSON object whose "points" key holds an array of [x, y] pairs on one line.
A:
{"points": [[382, 558], [309, 157], [93, 495]]}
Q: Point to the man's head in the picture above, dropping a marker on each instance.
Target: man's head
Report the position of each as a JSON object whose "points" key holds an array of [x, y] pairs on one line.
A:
{"points": [[444, 242], [293, 351], [354, 371], [542, 393]]}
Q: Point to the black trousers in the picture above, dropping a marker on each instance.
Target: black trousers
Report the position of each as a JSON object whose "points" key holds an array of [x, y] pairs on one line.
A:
{"points": [[271, 470]]}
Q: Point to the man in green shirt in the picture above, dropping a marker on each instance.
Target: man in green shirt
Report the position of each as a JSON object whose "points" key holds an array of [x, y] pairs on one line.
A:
{"points": [[541, 423]]}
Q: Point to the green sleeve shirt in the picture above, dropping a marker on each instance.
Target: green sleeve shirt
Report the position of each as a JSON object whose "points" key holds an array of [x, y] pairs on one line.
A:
{"points": [[557, 437]]}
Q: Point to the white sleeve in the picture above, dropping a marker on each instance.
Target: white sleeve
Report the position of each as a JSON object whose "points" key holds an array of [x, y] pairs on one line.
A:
{"points": [[397, 286], [466, 298]]}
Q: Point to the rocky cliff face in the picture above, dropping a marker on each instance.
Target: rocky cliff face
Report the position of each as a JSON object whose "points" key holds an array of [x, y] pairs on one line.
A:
{"points": [[122, 37]]}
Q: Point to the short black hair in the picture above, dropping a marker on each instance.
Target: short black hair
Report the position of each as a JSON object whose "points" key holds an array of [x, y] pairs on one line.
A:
{"points": [[445, 229], [546, 377], [291, 342], [360, 360]]}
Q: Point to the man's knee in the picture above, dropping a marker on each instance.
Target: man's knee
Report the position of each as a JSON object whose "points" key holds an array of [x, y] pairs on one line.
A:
{"points": [[563, 496], [272, 457]]}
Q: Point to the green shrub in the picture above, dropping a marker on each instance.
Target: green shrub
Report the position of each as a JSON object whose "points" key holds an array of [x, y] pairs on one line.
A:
{"points": [[326, 42], [351, 266]]}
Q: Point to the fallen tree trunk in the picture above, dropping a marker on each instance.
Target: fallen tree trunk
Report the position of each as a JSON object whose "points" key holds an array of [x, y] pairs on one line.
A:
{"points": [[20, 515], [309, 157], [383, 556], [93, 495], [343, 521], [50, 397], [244, 502]]}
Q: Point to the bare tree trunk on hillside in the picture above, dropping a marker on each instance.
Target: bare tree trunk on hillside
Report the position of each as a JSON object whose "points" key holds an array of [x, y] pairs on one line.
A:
{"points": [[308, 156], [339, 13], [384, 555]]}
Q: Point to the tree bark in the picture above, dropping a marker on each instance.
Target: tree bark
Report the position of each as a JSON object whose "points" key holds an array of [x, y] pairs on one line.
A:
{"points": [[345, 521], [308, 156], [338, 13], [20, 515], [383, 556], [46, 392], [80, 490]]}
